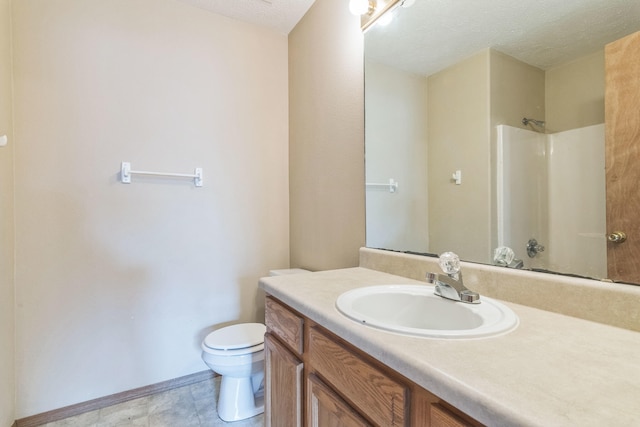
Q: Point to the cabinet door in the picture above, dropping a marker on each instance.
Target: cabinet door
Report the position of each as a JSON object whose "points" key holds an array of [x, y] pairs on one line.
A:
{"points": [[327, 409], [441, 417], [368, 389], [283, 385]]}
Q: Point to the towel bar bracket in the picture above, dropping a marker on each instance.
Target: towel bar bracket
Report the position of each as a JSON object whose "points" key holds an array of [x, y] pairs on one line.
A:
{"points": [[392, 186]]}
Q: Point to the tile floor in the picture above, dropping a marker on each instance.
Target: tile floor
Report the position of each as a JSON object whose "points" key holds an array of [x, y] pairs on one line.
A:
{"points": [[189, 406]]}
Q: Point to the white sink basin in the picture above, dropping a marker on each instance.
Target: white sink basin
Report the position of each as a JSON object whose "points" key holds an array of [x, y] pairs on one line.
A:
{"points": [[415, 310]]}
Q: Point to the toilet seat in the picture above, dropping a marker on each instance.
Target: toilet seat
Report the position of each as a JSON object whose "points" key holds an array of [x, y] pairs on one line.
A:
{"points": [[236, 340], [229, 353]]}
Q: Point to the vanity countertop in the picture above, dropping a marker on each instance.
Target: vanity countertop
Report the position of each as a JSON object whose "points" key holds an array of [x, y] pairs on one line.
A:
{"points": [[553, 370]]}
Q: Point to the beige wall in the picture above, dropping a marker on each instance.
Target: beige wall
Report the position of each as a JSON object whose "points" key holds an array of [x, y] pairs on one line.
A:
{"points": [[116, 284], [326, 146], [7, 330], [396, 147], [517, 91], [465, 104], [458, 109], [575, 93]]}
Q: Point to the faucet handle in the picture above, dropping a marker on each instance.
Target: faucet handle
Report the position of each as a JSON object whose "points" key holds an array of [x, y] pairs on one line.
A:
{"points": [[503, 256], [449, 263], [470, 296]]}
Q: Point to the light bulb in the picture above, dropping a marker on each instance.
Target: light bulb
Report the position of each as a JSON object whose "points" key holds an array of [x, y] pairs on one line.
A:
{"points": [[358, 7], [385, 19]]}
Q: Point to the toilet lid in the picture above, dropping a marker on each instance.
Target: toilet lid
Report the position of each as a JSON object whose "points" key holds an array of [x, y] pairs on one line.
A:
{"points": [[236, 336]]}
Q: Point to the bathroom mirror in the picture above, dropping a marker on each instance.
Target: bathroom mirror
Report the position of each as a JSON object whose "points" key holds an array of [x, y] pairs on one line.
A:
{"points": [[485, 129]]}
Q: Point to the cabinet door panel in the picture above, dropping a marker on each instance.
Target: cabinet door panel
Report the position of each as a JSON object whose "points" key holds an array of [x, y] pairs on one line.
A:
{"points": [[327, 409], [283, 385], [441, 417]]}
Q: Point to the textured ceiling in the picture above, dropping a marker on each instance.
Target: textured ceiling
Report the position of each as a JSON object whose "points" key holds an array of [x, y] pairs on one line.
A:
{"points": [[280, 15], [433, 34]]}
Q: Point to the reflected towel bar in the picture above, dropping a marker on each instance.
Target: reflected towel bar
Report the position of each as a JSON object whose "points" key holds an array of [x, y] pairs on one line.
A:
{"points": [[126, 172], [392, 186]]}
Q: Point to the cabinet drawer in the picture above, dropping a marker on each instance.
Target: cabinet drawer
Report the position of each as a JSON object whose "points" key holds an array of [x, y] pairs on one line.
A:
{"points": [[368, 389], [285, 324]]}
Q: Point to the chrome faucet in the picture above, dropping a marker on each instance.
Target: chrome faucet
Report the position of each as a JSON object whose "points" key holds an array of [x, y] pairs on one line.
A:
{"points": [[450, 286]]}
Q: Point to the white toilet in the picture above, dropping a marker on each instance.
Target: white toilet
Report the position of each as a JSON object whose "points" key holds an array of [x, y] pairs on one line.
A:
{"points": [[237, 353]]}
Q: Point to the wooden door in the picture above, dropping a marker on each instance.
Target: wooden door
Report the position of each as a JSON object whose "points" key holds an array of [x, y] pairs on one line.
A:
{"points": [[283, 385], [622, 118], [326, 409]]}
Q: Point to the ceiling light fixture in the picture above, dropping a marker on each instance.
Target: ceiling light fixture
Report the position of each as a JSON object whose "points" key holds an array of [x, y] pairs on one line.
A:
{"points": [[385, 19], [361, 7], [371, 10]]}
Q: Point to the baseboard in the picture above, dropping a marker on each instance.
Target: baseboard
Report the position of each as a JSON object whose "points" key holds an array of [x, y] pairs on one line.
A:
{"points": [[102, 402]]}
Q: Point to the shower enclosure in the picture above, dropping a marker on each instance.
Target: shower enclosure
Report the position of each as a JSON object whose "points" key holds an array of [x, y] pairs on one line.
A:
{"points": [[551, 188]]}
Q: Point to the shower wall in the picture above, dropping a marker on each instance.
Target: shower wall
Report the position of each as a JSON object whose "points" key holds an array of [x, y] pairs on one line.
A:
{"points": [[577, 200], [551, 188], [521, 191]]}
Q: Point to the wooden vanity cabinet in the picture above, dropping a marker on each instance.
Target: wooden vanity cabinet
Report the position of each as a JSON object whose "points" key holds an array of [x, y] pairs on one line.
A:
{"points": [[343, 386]]}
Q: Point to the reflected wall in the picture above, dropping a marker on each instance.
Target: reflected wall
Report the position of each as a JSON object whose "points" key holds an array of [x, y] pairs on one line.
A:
{"points": [[396, 148]]}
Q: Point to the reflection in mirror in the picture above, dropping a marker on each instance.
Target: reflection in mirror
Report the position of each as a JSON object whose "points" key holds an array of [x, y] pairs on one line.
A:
{"points": [[371, 10], [489, 116]]}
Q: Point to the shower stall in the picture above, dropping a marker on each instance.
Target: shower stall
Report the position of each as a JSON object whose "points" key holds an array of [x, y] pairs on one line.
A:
{"points": [[551, 188]]}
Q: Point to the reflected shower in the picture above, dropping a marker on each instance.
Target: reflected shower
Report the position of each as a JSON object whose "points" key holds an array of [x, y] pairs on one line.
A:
{"points": [[539, 123]]}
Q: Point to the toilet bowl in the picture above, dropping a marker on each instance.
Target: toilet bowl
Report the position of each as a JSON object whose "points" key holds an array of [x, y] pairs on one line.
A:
{"points": [[237, 353]]}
